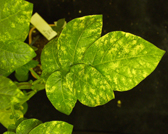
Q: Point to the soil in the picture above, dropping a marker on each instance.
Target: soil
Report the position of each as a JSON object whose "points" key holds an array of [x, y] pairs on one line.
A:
{"points": [[40, 42]]}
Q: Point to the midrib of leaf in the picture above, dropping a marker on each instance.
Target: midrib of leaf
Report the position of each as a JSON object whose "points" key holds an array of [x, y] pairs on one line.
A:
{"points": [[123, 59], [6, 93], [111, 47], [10, 16], [55, 58], [89, 83], [62, 88], [80, 37]]}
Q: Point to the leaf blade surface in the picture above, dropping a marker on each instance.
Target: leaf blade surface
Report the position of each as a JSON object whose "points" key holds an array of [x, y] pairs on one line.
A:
{"points": [[91, 87], [123, 58], [76, 37], [15, 19], [14, 53], [59, 94], [9, 93], [55, 127]]}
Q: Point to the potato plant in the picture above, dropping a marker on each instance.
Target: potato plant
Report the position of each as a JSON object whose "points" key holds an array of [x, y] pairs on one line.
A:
{"points": [[79, 64]]}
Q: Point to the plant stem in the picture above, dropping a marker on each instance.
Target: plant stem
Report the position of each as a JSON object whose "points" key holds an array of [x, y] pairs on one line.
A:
{"points": [[24, 85], [13, 112], [34, 73], [31, 94]]}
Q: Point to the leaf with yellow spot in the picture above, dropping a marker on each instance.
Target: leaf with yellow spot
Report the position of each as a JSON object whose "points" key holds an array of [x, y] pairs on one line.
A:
{"points": [[5, 119], [53, 127], [76, 37], [15, 19], [27, 125], [9, 93], [92, 88], [59, 94], [13, 54], [49, 59], [123, 59]]}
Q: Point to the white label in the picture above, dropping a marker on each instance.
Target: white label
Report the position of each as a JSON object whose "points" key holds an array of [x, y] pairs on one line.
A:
{"points": [[43, 26]]}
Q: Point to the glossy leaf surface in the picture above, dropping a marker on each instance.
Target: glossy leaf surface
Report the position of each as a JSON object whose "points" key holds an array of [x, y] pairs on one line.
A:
{"points": [[15, 19], [76, 37], [9, 93], [53, 127], [123, 59], [27, 125], [91, 86], [14, 54], [49, 59], [59, 94]]}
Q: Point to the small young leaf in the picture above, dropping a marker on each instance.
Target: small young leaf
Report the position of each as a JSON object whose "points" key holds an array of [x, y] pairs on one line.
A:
{"points": [[59, 25], [27, 125], [14, 53], [22, 72], [91, 86], [9, 93], [15, 19], [49, 59], [123, 59], [53, 127], [76, 37], [23, 108], [59, 94]]}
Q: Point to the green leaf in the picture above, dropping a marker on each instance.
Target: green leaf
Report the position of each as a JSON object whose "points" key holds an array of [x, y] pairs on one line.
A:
{"points": [[15, 19], [49, 59], [22, 72], [5, 117], [23, 108], [5, 72], [59, 25], [123, 59], [27, 125], [59, 94], [9, 93], [76, 37], [8, 132], [14, 54], [53, 127], [91, 86]]}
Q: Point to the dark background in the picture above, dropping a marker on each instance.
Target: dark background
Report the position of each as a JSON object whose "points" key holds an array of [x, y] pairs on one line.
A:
{"points": [[144, 109]]}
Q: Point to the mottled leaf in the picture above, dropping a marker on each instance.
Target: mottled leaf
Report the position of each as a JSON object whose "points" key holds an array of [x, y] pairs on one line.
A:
{"points": [[59, 94], [15, 19], [49, 59], [9, 93], [5, 119], [91, 86], [14, 53], [76, 37], [22, 72], [53, 127], [27, 125], [123, 59]]}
